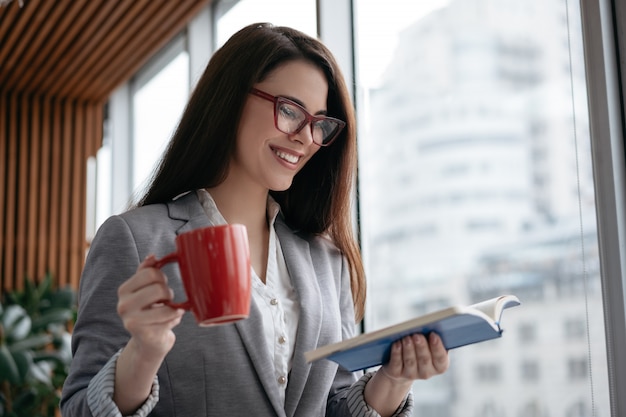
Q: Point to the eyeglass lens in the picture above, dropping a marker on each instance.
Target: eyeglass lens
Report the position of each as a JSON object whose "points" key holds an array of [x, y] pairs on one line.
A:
{"points": [[290, 118]]}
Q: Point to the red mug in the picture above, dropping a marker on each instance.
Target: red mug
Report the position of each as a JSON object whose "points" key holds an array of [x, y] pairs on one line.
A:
{"points": [[215, 269]]}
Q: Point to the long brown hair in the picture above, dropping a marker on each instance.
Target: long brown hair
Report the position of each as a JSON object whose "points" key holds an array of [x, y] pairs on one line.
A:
{"points": [[319, 199]]}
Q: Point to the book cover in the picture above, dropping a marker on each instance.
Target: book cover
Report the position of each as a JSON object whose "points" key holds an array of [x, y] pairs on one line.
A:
{"points": [[457, 326]]}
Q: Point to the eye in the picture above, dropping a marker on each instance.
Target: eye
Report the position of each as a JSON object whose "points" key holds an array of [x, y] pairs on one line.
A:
{"points": [[289, 112], [325, 127], [320, 126]]}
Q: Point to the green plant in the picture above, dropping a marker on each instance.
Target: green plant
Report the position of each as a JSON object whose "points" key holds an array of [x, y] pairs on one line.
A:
{"points": [[35, 348]]}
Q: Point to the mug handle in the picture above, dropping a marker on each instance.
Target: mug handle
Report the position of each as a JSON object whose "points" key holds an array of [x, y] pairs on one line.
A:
{"points": [[160, 263]]}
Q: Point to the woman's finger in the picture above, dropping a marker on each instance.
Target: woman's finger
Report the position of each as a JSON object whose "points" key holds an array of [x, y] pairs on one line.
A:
{"points": [[149, 261], [143, 297], [394, 367], [145, 276], [439, 353], [410, 358], [421, 367], [159, 315]]}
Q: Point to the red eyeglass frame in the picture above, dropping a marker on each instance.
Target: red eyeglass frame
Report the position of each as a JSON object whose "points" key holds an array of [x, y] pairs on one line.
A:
{"points": [[308, 117]]}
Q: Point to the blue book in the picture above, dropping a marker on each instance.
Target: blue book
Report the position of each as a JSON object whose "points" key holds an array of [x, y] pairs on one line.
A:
{"points": [[457, 326]]}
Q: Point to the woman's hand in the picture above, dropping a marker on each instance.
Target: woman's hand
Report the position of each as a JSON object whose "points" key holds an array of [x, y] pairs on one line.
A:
{"points": [[413, 357], [144, 315], [416, 357], [149, 322]]}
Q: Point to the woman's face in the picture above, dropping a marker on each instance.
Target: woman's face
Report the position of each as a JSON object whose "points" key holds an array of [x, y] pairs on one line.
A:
{"points": [[264, 155]]}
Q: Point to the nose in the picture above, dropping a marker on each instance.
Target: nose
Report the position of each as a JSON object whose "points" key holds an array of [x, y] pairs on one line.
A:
{"points": [[304, 135]]}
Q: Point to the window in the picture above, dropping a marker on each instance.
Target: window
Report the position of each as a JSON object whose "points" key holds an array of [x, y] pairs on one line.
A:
{"points": [[527, 333], [533, 409], [469, 123], [580, 409], [530, 370], [439, 410], [141, 117], [577, 369], [233, 15], [488, 372], [575, 329], [490, 409], [159, 97], [99, 185]]}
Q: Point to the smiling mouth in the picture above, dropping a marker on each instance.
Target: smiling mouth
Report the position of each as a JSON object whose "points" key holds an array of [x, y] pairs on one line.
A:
{"points": [[292, 159]]}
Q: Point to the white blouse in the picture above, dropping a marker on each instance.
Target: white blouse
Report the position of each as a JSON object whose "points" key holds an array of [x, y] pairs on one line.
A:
{"points": [[276, 298]]}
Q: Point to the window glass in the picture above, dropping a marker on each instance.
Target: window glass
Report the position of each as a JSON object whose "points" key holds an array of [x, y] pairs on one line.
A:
{"points": [[100, 182], [157, 107], [102, 209], [476, 181], [299, 14]]}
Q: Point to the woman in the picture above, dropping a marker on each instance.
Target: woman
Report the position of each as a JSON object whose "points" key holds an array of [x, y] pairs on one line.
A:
{"points": [[267, 140]]}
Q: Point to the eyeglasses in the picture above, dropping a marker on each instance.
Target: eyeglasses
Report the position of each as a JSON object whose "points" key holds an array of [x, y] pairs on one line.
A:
{"points": [[290, 118]]}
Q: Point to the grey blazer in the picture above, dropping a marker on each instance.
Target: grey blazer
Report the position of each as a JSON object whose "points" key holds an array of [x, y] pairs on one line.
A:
{"points": [[216, 371]]}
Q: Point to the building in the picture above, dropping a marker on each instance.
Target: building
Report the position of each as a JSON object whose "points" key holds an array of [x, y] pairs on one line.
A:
{"points": [[480, 184]]}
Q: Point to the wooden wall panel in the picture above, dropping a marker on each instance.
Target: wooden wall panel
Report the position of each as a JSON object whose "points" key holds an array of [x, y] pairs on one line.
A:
{"points": [[34, 165], [59, 62], [65, 193], [52, 260], [45, 145], [77, 208], [4, 142], [84, 49], [10, 205], [43, 210], [21, 212]]}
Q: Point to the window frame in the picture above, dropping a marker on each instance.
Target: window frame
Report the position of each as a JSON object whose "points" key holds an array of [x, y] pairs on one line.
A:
{"points": [[601, 40]]}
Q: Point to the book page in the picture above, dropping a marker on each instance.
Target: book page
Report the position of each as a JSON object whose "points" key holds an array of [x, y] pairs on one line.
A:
{"points": [[493, 307]]}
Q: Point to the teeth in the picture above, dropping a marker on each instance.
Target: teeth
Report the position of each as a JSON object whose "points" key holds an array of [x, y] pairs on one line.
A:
{"points": [[287, 157]]}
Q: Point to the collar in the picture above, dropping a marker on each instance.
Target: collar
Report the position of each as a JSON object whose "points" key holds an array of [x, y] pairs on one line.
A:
{"points": [[210, 208]]}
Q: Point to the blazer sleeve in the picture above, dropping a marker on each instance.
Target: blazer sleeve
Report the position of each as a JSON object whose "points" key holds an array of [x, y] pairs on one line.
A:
{"points": [[347, 397], [98, 333]]}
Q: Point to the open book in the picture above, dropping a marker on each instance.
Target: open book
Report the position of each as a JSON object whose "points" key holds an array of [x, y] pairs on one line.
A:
{"points": [[458, 326]]}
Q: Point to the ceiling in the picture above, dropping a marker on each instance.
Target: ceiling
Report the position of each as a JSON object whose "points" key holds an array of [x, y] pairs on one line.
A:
{"points": [[83, 48]]}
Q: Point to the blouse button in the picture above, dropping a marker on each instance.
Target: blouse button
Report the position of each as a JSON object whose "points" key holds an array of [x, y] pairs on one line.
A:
{"points": [[282, 380], [273, 301], [282, 340]]}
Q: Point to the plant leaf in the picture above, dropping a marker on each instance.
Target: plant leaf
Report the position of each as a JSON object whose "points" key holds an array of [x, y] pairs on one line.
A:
{"points": [[63, 298], [57, 315], [8, 367], [25, 400], [24, 360], [55, 358], [30, 298], [45, 285], [16, 322], [41, 372], [33, 342]]}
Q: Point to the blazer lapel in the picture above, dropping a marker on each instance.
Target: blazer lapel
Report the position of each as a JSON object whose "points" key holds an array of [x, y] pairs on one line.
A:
{"points": [[251, 333], [189, 209], [302, 273]]}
